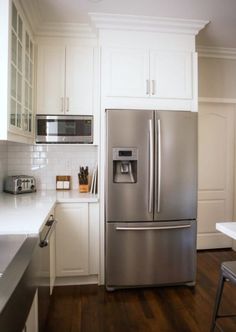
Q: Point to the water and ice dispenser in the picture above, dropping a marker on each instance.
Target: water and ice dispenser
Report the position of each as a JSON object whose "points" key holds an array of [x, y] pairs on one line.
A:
{"points": [[125, 165]]}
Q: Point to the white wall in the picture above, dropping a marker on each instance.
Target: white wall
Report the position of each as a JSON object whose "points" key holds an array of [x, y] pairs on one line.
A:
{"points": [[217, 78], [44, 162], [3, 162]]}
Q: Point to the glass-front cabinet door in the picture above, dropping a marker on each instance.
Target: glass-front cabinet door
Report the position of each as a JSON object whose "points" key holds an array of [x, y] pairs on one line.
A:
{"points": [[21, 86]]}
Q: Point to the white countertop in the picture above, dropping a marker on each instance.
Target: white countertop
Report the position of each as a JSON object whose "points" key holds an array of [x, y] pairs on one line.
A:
{"points": [[26, 213], [228, 228]]}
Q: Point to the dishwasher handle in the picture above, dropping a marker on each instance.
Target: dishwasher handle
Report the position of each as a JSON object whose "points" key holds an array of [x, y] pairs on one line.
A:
{"points": [[51, 224]]}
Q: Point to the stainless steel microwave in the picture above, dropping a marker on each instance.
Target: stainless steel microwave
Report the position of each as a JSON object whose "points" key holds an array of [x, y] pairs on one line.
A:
{"points": [[64, 129]]}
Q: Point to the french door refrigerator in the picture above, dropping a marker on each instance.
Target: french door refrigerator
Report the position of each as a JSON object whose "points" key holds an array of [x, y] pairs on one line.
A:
{"points": [[151, 198]]}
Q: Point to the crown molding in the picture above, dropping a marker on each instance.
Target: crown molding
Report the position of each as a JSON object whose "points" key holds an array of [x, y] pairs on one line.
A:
{"points": [[216, 52], [146, 23], [43, 29], [80, 30]]}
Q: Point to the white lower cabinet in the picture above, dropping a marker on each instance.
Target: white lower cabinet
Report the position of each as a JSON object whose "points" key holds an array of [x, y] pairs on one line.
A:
{"points": [[31, 324], [76, 239]]}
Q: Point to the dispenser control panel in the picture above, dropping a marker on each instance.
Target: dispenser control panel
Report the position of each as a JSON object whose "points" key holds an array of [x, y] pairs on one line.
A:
{"points": [[125, 165], [125, 153]]}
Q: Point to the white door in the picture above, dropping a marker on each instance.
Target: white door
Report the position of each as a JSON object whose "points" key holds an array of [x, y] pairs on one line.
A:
{"points": [[171, 74], [79, 80], [215, 177], [126, 72], [50, 79], [72, 253]]}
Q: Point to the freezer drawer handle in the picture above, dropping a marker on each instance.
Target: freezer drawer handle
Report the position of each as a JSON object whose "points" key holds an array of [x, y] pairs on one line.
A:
{"points": [[151, 228]]}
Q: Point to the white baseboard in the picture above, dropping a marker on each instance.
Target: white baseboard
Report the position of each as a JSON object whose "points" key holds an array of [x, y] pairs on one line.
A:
{"points": [[213, 241], [82, 280]]}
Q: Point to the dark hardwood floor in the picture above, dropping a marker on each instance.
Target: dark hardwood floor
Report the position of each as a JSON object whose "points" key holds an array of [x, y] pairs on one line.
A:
{"points": [[162, 309]]}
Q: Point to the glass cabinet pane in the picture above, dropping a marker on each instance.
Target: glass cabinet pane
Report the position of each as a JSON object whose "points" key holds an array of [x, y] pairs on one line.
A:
{"points": [[27, 68], [19, 87], [31, 51], [26, 120], [19, 56], [18, 118], [14, 17], [31, 99], [22, 64], [31, 73], [26, 95], [13, 112], [27, 43], [20, 28], [30, 122], [13, 81], [13, 47]]}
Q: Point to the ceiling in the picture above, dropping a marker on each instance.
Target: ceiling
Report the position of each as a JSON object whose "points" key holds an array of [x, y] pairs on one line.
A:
{"points": [[220, 32]]}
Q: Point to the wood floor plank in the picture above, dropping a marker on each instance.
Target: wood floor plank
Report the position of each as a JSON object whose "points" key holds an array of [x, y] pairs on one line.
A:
{"points": [[91, 308]]}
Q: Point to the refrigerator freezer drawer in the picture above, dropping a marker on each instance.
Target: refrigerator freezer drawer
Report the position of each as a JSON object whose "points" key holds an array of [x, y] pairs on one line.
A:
{"points": [[144, 254]]}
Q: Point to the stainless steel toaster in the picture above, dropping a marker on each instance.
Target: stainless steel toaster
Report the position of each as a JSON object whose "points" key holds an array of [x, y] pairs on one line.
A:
{"points": [[19, 184]]}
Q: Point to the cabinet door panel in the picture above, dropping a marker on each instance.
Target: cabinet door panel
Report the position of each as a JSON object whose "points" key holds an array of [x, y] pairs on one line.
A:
{"points": [[50, 79], [79, 80], [172, 74], [126, 72], [72, 239]]}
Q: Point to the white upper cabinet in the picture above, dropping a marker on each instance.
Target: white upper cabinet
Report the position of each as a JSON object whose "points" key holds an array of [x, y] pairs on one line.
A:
{"points": [[50, 79], [65, 79], [170, 74], [126, 72], [21, 69], [17, 74], [79, 80], [147, 73]]}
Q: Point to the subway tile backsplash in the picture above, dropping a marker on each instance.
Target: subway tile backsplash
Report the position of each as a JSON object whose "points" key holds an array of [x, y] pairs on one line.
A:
{"points": [[45, 162]]}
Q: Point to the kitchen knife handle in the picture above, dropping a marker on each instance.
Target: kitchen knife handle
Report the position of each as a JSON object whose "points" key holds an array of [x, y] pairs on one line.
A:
{"points": [[151, 165], [158, 165]]}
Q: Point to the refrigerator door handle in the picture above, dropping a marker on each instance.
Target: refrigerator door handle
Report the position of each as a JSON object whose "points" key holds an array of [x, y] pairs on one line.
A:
{"points": [[151, 169], [151, 228], [158, 166]]}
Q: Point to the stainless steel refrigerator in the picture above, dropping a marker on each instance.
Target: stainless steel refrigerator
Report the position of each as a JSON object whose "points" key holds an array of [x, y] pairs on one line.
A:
{"points": [[151, 198]]}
